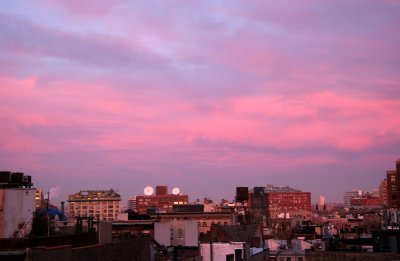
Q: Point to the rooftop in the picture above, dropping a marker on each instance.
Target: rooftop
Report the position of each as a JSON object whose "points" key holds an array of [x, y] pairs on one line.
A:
{"points": [[270, 188], [95, 195]]}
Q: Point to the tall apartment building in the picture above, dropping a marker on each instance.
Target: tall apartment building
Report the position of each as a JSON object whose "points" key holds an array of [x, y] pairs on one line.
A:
{"points": [[383, 192], [161, 201], [103, 204], [272, 202], [393, 187], [321, 202]]}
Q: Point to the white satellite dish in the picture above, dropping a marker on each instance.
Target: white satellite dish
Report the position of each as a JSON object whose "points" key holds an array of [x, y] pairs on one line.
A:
{"points": [[148, 191], [176, 191]]}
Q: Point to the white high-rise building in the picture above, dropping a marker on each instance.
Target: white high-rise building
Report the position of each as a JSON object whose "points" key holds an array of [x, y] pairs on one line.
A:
{"points": [[321, 202]]}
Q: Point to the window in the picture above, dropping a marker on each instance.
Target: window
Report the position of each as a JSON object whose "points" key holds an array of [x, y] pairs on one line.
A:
{"points": [[300, 259], [180, 233], [204, 224], [393, 178]]}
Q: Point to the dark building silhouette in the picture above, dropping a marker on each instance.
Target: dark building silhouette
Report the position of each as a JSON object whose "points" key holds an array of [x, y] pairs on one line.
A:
{"points": [[393, 187]]}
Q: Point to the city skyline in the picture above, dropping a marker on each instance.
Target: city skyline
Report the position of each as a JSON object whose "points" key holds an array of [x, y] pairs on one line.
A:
{"points": [[201, 96]]}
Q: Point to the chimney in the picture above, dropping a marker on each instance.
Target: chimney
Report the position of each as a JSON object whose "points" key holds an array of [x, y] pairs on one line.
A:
{"points": [[62, 207]]}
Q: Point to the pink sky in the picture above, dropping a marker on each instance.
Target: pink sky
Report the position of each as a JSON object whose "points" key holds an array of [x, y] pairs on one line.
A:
{"points": [[204, 95]]}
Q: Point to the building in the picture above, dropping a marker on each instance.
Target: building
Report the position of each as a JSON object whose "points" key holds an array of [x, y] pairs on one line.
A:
{"points": [[136, 224], [102, 204], [276, 202], [219, 251], [366, 200], [160, 202], [39, 199], [393, 186], [17, 204], [205, 220], [132, 204], [194, 208], [176, 233], [321, 203], [348, 195], [80, 246], [383, 192]]}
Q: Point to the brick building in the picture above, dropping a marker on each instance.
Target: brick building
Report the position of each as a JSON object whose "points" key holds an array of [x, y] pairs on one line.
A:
{"points": [[366, 201], [273, 202], [160, 202]]}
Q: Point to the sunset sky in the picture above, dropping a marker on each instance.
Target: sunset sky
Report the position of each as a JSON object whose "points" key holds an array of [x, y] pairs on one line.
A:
{"points": [[200, 95]]}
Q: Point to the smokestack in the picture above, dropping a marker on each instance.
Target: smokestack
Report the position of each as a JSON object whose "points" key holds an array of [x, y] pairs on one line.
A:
{"points": [[62, 207]]}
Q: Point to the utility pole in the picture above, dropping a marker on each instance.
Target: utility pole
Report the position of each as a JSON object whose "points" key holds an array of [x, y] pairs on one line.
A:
{"points": [[211, 251], [48, 199]]}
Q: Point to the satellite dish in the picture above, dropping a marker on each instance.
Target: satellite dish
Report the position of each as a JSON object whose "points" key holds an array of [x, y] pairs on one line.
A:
{"points": [[176, 191], [148, 191]]}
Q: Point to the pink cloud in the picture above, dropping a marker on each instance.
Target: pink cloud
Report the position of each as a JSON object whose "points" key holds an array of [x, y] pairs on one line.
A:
{"points": [[90, 8], [326, 119], [118, 120], [308, 119]]}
